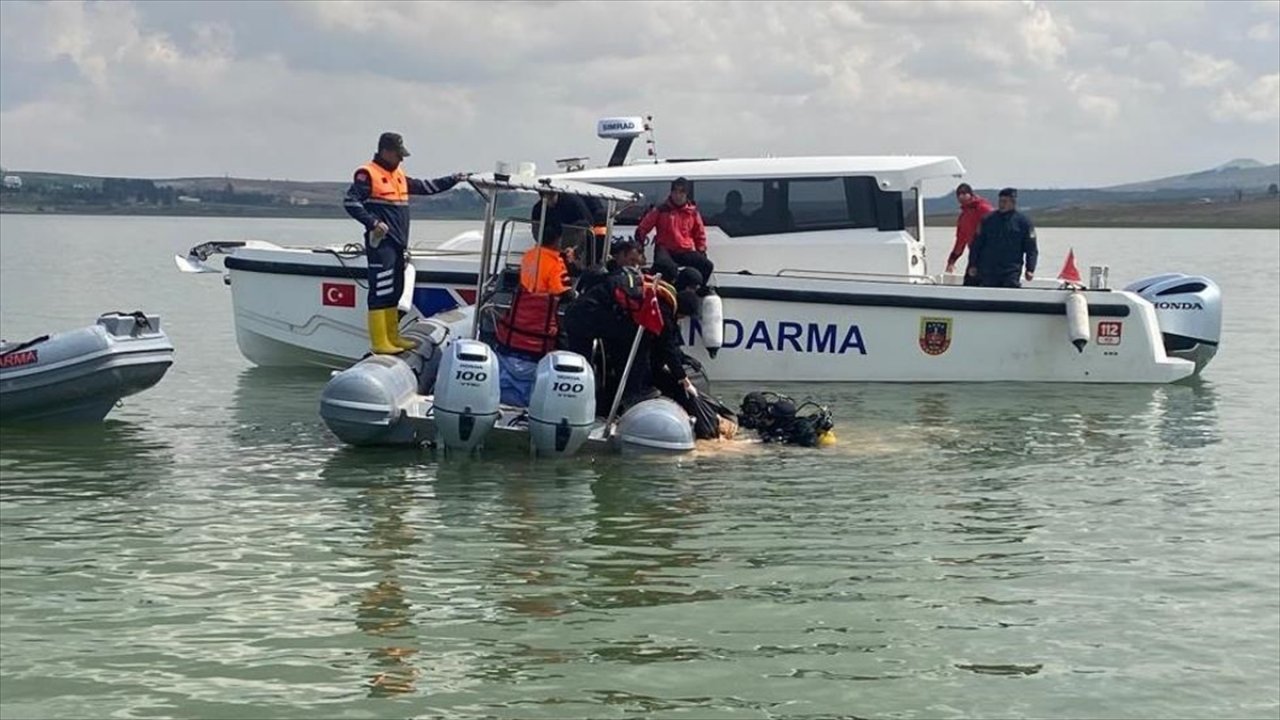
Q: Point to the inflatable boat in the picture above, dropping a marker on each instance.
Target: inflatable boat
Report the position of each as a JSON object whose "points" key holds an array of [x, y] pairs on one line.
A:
{"points": [[447, 395], [78, 376]]}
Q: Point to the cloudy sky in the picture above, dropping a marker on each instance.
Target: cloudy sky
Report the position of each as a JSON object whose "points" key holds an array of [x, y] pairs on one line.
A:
{"points": [[1026, 93]]}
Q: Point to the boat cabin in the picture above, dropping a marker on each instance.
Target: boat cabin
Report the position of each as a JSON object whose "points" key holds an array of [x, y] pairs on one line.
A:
{"points": [[856, 215]]}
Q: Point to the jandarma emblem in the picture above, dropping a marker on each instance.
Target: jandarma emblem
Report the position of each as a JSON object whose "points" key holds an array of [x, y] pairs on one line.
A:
{"points": [[935, 335]]}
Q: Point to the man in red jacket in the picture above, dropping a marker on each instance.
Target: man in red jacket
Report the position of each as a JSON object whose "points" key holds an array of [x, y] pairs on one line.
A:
{"points": [[681, 239], [973, 208]]}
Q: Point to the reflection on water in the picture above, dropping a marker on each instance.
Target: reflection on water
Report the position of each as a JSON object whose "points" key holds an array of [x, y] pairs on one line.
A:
{"points": [[277, 406], [82, 462], [638, 522], [384, 611], [380, 499], [990, 423]]}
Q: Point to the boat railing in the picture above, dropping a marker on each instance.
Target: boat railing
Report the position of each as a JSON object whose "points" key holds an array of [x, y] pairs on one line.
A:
{"points": [[505, 238], [574, 236], [850, 276], [434, 252]]}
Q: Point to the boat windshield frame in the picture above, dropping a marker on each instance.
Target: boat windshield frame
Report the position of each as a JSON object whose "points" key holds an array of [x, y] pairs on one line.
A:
{"points": [[492, 185]]}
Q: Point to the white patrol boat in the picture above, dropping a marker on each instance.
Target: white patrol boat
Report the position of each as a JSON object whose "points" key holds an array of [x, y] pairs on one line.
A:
{"points": [[820, 263]]}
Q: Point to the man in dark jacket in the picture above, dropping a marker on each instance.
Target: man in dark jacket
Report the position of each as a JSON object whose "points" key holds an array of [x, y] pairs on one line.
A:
{"points": [[598, 314], [1004, 239], [379, 200], [605, 311]]}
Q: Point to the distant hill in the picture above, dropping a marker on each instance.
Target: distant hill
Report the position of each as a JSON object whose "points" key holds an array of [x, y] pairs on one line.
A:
{"points": [[1247, 175], [1183, 200], [1234, 194], [64, 193], [1242, 163]]}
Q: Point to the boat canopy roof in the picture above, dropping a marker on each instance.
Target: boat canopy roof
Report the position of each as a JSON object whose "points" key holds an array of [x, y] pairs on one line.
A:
{"points": [[892, 172], [557, 184]]}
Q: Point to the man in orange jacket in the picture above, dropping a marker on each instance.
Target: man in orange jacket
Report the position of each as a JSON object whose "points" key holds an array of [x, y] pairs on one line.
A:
{"points": [[543, 269], [379, 200]]}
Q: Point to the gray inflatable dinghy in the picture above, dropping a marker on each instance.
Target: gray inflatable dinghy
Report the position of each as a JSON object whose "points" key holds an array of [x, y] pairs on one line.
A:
{"points": [[448, 393], [79, 375]]}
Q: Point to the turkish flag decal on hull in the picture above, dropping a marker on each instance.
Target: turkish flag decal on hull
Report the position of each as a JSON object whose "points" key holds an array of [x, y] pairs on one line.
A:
{"points": [[339, 294]]}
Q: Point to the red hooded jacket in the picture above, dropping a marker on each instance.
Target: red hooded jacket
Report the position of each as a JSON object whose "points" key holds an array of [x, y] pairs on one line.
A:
{"points": [[971, 214], [680, 229]]}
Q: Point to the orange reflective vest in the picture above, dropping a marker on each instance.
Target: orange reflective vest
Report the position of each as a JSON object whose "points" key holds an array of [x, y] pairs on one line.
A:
{"points": [[542, 270], [386, 187]]}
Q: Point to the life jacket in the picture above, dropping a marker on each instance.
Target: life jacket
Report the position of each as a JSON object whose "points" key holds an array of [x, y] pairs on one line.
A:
{"points": [[386, 187], [532, 325]]}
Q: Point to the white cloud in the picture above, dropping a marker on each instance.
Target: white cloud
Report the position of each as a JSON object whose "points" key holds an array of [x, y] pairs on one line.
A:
{"points": [[1045, 37], [1200, 70], [1259, 102], [1263, 31]]}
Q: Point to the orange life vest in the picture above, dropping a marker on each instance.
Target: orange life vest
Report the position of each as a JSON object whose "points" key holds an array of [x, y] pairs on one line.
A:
{"points": [[532, 325], [387, 187]]}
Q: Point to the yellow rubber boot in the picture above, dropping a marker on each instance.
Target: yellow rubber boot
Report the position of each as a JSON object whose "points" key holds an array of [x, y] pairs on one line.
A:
{"points": [[393, 331], [379, 342]]}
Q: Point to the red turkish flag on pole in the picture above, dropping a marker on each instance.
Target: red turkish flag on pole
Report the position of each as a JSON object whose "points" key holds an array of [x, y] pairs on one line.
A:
{"points": [[1069, 272]]}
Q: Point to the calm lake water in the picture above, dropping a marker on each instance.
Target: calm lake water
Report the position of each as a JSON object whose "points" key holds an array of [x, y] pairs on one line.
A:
{"points": [[965, 551]]}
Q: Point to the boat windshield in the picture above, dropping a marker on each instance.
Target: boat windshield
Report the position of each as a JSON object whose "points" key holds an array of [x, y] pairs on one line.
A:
{"points": [[746, 207], [912, 208]]}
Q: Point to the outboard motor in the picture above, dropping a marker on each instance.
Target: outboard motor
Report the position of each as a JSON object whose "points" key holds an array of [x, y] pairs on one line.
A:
{"points": [[365, 404], [563, 404], [1189, 310], [657, 424], [467, 395]]}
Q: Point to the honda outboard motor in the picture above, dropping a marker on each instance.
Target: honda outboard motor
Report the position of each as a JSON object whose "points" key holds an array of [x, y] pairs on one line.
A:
{"points": [[1189, 310], [467, 395], [657, 424], [365, 404], [563, 404]]}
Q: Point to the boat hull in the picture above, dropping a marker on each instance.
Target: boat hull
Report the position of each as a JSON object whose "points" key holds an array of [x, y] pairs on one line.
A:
{"points": [[80, 375], [777, 327]]}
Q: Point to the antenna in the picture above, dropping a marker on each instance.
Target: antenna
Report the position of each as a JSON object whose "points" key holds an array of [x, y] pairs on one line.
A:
{"points": [[622, 129], [652, 149], [573, 164]]}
